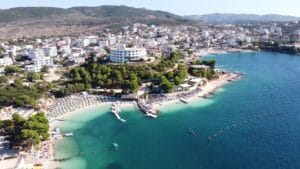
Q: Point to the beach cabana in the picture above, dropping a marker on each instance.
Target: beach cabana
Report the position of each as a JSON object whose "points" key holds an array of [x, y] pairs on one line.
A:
{"points": [[185, 87], [197, 81]]}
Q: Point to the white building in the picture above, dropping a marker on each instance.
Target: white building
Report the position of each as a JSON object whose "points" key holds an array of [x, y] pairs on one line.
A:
{"points": [[79, 60], [103, 43], [39, 63], [112, 40], [83, 42], [92, 39], [205, 34], [12, 51], [6, 61], [43, 61], [231, 42], [36, 53], [77, 56], [50, 51], [65, 50], [28, 47], [127, 54], [33, 68], [296, 35]]}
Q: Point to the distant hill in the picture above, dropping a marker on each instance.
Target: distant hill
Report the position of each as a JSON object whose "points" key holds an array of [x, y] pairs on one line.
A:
{"points": [[235, 18], [49, 21], [78, 14]]}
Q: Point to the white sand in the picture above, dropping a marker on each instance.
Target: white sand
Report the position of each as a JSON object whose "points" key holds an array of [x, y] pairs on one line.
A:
{"points": [[208, 88], [211, 51], [215, 84]]}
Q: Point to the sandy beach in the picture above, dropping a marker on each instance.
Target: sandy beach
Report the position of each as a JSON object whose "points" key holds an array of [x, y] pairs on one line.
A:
{"points": [[78, 111], [211, 51], [213, 85], [208, 89]]}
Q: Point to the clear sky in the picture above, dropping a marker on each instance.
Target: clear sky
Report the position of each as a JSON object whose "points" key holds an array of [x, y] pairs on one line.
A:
{"points": [[180, 7]]}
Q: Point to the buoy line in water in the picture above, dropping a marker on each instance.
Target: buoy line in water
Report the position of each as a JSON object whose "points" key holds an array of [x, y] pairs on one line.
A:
{"points": [[240, 123]]}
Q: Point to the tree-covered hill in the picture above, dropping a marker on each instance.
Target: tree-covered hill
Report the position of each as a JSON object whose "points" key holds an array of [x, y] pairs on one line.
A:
{"points": [[83, 13], [48, 21]]}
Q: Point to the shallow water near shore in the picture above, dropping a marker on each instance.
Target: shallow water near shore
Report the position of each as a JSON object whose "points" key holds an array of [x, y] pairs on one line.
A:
{"points": [[240, 137]]}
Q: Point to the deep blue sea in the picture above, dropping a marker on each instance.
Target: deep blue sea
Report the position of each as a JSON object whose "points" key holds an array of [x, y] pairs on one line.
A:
{"points": [[240, 118]]}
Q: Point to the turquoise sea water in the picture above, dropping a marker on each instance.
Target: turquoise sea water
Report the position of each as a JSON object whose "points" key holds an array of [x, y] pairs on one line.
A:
{"points": [[271, 85]]}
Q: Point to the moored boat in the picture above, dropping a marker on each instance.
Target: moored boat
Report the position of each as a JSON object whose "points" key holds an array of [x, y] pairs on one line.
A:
{"points": [[116, 146], [151, 115], [69, 134], [183, 100]]}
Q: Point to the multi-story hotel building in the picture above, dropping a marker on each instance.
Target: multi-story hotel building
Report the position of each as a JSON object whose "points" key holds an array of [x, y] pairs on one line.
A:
{"points": [[123, 54]]}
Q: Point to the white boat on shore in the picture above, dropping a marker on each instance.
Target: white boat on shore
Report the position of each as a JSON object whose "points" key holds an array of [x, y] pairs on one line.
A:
{"points": [[183, 100]]}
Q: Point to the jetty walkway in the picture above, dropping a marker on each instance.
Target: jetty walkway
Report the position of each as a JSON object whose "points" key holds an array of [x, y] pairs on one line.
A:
{"points": [[116, 111]]}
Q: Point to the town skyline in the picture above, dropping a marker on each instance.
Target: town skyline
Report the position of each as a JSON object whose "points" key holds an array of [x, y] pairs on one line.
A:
{"points": [[193, 7]]}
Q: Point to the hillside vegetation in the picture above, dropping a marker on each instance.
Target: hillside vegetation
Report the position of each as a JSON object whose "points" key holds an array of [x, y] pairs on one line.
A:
{"points": [[83, 13], [48, 21]]}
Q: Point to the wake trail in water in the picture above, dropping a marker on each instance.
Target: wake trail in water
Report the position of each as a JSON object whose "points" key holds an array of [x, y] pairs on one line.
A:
{"points": [[241, 123]]}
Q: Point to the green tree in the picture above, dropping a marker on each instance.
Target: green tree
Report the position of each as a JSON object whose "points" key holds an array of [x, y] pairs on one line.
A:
{"points": [[211, 63], [35, 130], [133, 84], [18, 82], [165, 84], [119, 76], [12, 69], [33, 76], [3, 79]]}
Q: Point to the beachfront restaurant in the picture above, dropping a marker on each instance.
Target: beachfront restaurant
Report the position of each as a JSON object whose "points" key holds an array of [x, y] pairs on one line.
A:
{"points": [[185, 87], [197, 81], [190, 85]]}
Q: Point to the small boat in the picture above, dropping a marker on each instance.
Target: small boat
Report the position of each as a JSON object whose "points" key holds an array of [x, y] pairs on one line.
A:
{"points": [[151, 115], [69, 134], [116, 146], [183, 100], [192, 132], [209, 138]]}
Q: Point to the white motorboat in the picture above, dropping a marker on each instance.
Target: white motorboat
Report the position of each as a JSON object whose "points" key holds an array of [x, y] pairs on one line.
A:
{"points": [[69, 134], [183, 100]]}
